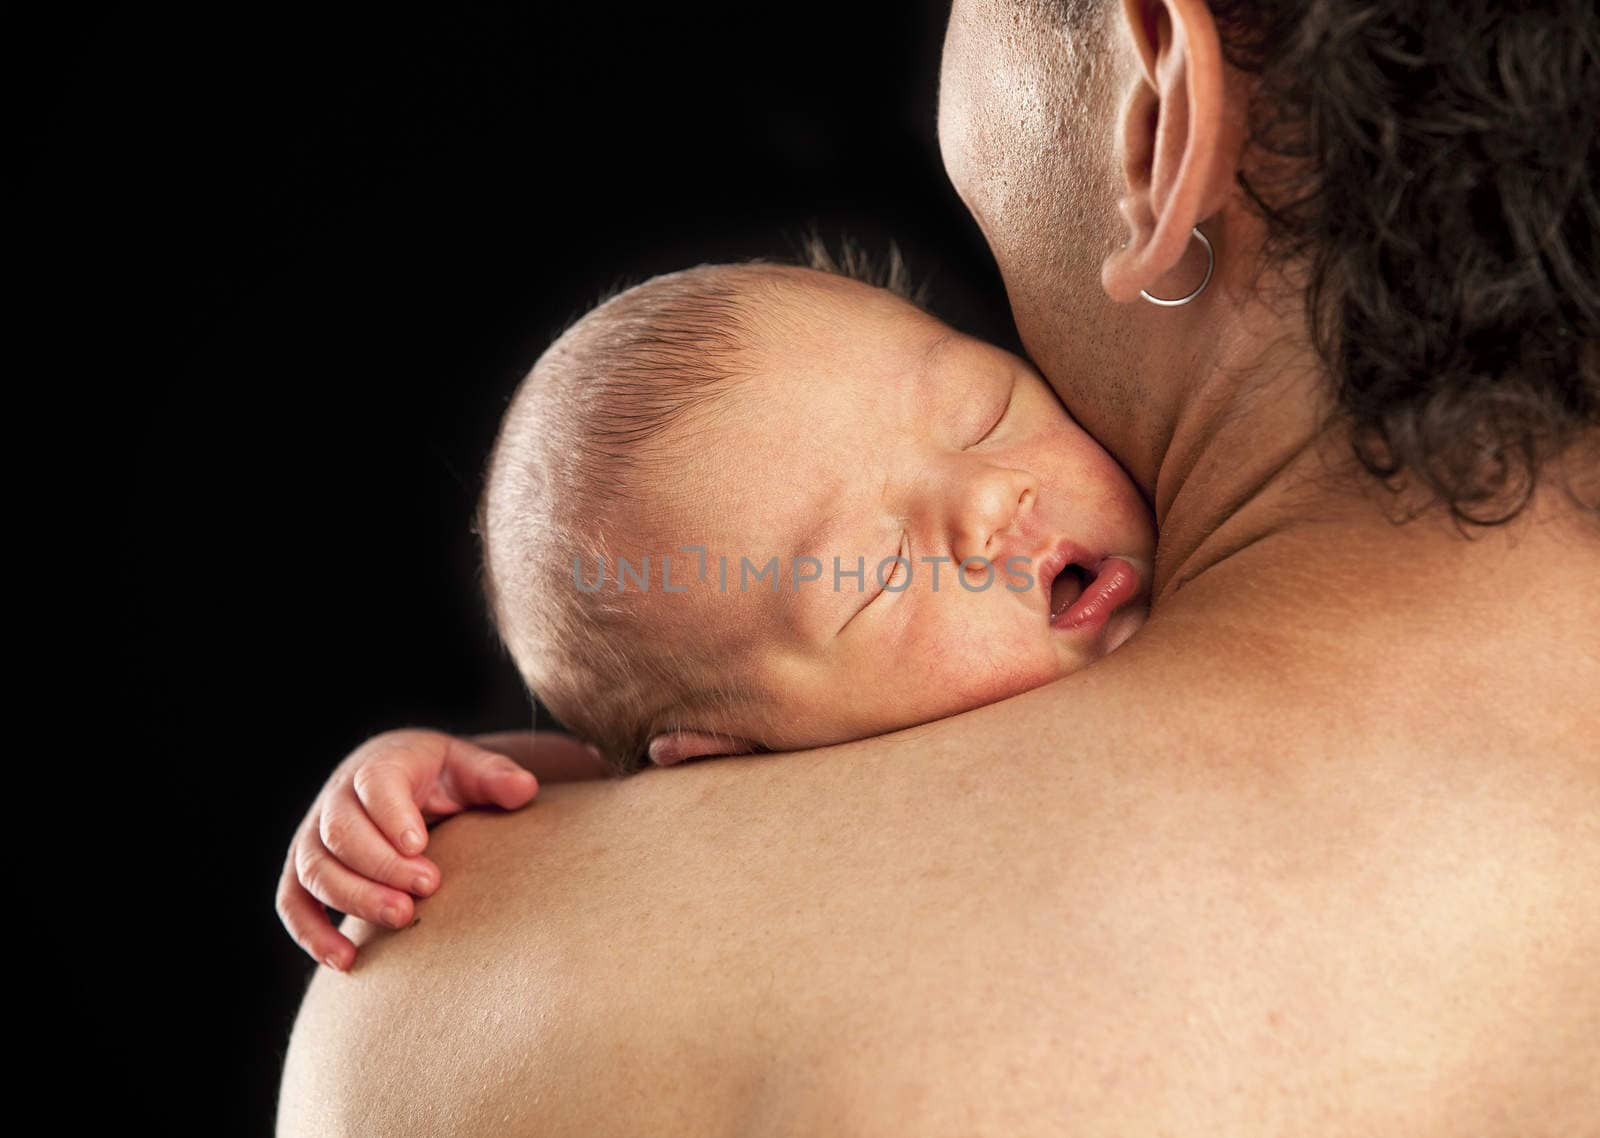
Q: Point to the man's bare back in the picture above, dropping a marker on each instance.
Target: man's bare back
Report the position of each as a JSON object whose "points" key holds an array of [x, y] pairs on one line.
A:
{"points": [[1240, 886]]}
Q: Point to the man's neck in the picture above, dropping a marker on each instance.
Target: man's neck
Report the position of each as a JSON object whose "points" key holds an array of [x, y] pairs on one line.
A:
{"points": [[1250, 449], [1259, 484]]}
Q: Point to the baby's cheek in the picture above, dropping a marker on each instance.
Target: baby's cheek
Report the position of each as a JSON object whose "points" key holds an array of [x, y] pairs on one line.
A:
{"points": [[956, 681], [1019, 674]]}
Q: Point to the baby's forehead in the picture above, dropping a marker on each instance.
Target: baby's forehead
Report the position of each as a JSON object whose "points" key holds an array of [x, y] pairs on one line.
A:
{"points": [[798, 299], [828, 386]]}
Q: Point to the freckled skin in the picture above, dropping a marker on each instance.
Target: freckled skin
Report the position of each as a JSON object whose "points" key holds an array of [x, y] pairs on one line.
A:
{"points": [[882, 447]]}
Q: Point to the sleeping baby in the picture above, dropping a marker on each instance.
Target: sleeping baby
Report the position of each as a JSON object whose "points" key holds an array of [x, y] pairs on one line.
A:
{"points": [[751, 508]]}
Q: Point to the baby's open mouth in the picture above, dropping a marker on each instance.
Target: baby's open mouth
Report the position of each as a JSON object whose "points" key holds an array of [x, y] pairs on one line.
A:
{"points": [[1082, 598], [1066, 589]]}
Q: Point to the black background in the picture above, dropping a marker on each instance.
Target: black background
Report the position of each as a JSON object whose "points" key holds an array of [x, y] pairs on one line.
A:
{"points": [[287, 265]]}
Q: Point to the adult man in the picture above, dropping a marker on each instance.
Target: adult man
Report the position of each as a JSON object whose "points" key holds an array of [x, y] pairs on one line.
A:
{"points": [[1315, 852]]}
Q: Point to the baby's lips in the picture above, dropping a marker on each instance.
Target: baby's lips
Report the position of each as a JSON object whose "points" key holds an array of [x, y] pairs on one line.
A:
{"points": [[1116, 583], [1141, 565]]}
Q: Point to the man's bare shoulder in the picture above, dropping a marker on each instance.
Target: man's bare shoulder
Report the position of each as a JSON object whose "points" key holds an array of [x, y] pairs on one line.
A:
{"points": [[1164, 924]]}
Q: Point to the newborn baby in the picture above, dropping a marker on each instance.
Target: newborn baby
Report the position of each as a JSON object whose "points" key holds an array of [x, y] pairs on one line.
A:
{"points": [[747, 508], [759, 507]]}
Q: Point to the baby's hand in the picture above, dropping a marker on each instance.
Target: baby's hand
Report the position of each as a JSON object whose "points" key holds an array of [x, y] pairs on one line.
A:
{"points": [[357, 850]]}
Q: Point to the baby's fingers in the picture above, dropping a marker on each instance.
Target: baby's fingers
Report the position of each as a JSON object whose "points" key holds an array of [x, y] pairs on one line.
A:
{"points": [[354, 840], [307, 921], [473, 776], [341, 888], [388, 788]]}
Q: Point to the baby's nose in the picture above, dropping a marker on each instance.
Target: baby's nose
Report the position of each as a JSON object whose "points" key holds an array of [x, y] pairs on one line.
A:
{"points": [[988, 512]]}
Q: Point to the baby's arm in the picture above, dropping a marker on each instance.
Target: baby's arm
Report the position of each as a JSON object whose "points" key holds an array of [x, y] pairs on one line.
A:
{"points": [[552, 757], [358, 848]]}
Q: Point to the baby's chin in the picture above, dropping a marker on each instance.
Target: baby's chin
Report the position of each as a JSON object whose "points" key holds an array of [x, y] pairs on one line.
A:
{"points": [[1122, 626]]}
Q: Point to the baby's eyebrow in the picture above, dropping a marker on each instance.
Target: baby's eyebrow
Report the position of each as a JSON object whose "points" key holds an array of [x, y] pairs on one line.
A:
{"points": [[933, 350], [937, 388], [813, 542]]}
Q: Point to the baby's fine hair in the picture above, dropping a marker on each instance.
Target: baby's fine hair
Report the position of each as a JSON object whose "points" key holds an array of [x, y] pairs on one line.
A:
{"points": [[566, 477]]}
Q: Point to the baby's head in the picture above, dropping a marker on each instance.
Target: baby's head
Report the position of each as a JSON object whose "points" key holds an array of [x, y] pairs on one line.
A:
{"points": [[775, 438]]}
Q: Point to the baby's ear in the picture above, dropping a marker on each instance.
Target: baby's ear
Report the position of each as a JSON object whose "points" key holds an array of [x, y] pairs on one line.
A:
{"points": [[678, 746]]}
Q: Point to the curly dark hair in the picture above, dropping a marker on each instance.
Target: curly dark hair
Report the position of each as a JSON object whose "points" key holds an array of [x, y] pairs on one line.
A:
{"points": [[1434, 164]]}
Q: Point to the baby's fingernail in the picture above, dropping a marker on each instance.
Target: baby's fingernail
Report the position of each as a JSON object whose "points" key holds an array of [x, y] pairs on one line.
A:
{"points": [[333, 962], [411, 840], [390, 916], [421, 885]]}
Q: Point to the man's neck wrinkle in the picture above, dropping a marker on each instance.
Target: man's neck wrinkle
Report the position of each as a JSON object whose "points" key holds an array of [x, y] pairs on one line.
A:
{"points": [[1352, 583], [1229, 495]]}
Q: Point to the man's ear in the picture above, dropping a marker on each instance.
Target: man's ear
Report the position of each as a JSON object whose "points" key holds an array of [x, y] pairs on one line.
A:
{"points": [[1181, 136], [680, 746]]}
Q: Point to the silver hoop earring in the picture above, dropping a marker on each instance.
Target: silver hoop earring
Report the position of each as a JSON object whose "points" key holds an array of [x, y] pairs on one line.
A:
{"points": [[1211, 263]]}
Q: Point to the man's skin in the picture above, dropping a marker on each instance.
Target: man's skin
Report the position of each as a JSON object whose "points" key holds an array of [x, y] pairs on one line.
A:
{"points": [[1317, 852]]}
